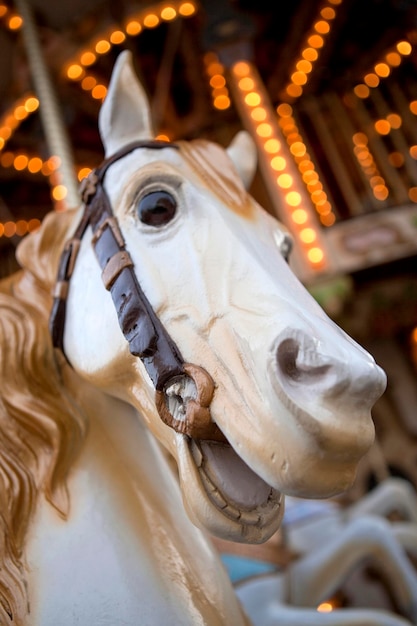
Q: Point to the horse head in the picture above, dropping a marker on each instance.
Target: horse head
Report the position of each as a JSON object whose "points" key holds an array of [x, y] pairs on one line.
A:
{"points": [[289, 394]]}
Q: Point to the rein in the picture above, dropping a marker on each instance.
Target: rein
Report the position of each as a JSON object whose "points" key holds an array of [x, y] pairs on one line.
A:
{"points": [[141, 327]]}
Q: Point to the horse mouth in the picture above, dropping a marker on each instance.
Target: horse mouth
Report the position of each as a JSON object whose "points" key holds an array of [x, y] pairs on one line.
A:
{"points": [[232, 486]]}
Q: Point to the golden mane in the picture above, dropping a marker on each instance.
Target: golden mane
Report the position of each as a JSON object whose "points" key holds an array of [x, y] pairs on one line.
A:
{"points": [[41, 429]]}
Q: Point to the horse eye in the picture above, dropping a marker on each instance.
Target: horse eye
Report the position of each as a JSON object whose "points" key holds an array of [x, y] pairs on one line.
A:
{"points": [[157, 208], [286, 248]]}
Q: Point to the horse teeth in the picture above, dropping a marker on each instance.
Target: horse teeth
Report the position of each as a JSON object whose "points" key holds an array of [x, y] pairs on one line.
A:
{"points": [[217, 499], [197, 454]]}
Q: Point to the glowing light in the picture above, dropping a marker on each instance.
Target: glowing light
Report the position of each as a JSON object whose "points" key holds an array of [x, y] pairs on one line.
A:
{"points": [[75, 71], [308, 235], [215, 68], [413, 107], [33, 224], [88, 83], [133, 28], [328, 219], [299, 216], [83, 173], [285, 181], [315, 41], [315, 256], [394, 120], [3, 10], [21, 227], [151, 20], [20, 112], [15, 22], [413, 152], [20, 162], [163, 137], [271, 146], [304, 66], [294, 91], [299, 78], [88, 58], [7, 159], [34, 165], [322, 27], [9, 229], [278, 163], [382, 127], [217, 81], [328, 13], [259, 114], [241, 68], [380, 192], [298, 148], [246, 83], [186, 9], [168, 13], [102, 46], [310, 54], [5, 132], [59, 192], [31, 104], [221, 102], [253, 99], [393, 59], [54, 162], [382, 70], [412, 194], [360, 139], [264, 130], [361, 91], [284, 110], [293, 198], [371, 80], [404, 48], [117, 37], [99, 92]]}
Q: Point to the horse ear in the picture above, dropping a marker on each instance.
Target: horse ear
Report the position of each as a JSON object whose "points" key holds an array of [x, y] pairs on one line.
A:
{"points": [[242, 151], [125, 113]]}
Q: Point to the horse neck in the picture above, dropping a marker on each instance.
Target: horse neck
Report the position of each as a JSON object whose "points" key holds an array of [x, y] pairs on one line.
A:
{"points": [[127, 537]]}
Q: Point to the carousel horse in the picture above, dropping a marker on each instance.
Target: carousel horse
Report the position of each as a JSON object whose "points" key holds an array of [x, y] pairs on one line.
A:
{"points": [[161, 318], [328, 543]]}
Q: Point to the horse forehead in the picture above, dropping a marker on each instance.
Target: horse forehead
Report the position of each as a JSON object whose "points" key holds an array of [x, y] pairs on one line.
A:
{"points": [[201, 162]]}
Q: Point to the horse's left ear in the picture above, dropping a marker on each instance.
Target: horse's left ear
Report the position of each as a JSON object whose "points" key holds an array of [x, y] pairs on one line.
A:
{"points": [[125, 114], [242, 151]]}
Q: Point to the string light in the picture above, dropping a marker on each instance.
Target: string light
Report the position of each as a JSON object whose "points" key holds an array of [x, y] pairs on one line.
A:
{"points": [[145, 19], [215, 73], [313, 43], [382, 68], [305, 165], [367, 164], [280, 153]]}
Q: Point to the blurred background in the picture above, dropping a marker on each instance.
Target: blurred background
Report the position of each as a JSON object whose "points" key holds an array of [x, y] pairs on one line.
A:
{"points": [[328, 90]]}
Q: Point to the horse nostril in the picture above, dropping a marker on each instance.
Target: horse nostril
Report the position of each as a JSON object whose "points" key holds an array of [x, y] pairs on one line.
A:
{"points": [[287, 357], [300, 362]]}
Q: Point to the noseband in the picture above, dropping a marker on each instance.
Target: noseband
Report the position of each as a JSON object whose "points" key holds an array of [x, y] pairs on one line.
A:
{"points": [[141, 327]]}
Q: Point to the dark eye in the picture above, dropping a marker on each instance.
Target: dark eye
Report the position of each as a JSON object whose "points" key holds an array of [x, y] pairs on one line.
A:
{"points": [[157, 208], [286, 248]]}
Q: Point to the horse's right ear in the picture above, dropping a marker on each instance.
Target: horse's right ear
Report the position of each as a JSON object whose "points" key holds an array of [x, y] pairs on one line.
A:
{"points": [[125, 114]]}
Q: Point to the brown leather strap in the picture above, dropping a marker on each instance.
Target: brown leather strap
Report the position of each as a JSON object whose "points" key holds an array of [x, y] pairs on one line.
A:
{"points": [[146, 336], [140, 325]]}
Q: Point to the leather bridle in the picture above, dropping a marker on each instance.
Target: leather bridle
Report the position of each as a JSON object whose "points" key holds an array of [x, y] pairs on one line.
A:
{"points": [[141, 327]]}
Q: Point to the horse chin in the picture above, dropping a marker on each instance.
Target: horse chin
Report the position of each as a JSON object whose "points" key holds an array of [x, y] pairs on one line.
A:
{"points": [[223, 495]]}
